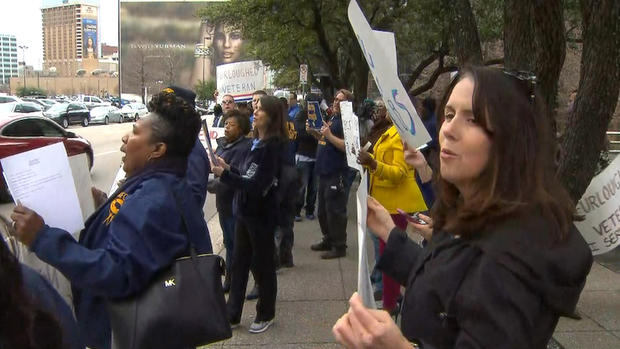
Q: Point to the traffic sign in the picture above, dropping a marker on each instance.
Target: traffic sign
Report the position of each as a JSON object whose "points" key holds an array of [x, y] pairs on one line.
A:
{"points": [[303, 73]]}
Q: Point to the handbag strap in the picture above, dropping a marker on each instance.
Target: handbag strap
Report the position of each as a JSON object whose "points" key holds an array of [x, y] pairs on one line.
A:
{"points": [[192, 247]]}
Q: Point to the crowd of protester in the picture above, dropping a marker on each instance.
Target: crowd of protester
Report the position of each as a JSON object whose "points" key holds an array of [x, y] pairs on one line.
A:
{"points": [[473, 234]]}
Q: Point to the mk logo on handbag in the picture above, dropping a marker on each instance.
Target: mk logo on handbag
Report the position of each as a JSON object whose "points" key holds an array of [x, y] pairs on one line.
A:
{"points": [[169, 283]]}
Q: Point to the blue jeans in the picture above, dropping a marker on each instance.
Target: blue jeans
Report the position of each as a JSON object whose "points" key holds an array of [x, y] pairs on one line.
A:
{"points": [[228, 232], [307, 189]]}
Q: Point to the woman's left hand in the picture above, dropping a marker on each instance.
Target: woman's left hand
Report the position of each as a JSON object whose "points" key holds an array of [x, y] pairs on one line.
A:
{"points": [[27, 224], [367, 328], [365, 159], [426, 230], [217, 170]]}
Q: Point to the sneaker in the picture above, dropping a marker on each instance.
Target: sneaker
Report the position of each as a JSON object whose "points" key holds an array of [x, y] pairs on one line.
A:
{"points": [[260, 326], [321, 246], [298, 218], [310, 216], [253, 294], [334, 253]]}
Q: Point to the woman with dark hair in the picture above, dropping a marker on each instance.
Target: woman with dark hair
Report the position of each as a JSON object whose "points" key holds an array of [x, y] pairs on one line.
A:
{"points": [[505, 260], [257, 213], [233, 148], [139, 230]]}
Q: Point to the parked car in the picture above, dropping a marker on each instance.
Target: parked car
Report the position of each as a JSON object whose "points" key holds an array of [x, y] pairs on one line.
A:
{"points": [[91, 102], [66, 114], [23, 132], [37, 101], [134, 111], [105, 115], [20, 107], [8, 99], [48, 101]]}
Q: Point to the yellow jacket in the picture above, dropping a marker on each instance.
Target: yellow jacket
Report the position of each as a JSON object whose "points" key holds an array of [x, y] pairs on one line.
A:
{"points": [[393, 182]]}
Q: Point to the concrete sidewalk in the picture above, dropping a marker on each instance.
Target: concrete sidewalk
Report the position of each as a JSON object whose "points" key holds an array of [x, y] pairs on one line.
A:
{"points": [[314, 294]]}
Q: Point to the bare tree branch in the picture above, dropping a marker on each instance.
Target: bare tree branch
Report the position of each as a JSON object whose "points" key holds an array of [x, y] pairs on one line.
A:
{"points": [[431, 81], [420, 68]]}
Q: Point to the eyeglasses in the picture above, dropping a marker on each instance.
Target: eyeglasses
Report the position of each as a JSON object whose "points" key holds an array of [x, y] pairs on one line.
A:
{"points": [[228, 102]]}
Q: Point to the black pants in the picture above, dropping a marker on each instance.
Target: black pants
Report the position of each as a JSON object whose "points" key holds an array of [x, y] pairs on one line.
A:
{"points": [[253, 246], [287, 198], [333, 210]]}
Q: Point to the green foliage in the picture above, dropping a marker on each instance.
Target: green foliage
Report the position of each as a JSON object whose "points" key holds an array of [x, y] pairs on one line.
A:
{"points": [[205, 89], [30, 91]]}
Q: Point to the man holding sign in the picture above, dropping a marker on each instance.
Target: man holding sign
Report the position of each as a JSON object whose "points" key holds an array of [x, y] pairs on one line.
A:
{"points": [[331, 166]]}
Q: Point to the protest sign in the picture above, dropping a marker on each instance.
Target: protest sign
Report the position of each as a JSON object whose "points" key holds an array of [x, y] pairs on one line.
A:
{"points": [[315, 118], [600, 205], [36, 177], [394, 95], [364, 286], [351, 129], [83, 183], [240, 79], [214, 134]]}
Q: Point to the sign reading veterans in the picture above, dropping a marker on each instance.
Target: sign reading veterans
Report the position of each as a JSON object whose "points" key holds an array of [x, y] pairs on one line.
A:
{"points": [[600, 205], [240, 79], [394, 95]]}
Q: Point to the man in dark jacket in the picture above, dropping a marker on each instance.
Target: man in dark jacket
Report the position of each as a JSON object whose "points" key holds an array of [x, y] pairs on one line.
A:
{"points": [[331, 166]]}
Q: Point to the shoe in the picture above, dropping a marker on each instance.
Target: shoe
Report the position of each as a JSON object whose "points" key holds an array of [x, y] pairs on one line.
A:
{"points": [[310, 216], [287, 264], [253, 294], [260, 326], [234, 325], [321, 246], [298, 218], [334, 253]]}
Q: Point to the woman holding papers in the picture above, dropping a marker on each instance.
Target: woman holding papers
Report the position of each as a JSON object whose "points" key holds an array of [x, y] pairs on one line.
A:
{"points": [[505, 260], [393, 183], [138, 231], [256, 207]]}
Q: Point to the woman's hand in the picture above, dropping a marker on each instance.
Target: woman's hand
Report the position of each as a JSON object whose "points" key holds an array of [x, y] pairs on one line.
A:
{"points": [[365, 159], [414, 157], [426, 230], [378, 219], [27, 224], [367, 328], [98, 196]]}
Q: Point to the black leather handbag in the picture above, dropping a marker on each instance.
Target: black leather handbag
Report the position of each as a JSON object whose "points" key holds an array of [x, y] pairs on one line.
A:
{"points": [[183, 307]]}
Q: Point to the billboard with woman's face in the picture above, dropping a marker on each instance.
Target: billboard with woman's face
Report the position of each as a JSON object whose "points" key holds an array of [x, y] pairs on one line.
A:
{"points": [[164, 43], [89, 32]]}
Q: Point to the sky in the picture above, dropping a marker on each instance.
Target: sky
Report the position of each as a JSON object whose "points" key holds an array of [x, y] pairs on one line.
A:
{"points": [[24, 22]]}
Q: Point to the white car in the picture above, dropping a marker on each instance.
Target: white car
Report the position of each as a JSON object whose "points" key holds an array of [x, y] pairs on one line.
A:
{"points": [[91, 102], [134, 111]]}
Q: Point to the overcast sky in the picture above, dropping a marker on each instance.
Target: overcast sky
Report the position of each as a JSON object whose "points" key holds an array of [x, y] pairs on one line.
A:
{"points": [[23, 19]]}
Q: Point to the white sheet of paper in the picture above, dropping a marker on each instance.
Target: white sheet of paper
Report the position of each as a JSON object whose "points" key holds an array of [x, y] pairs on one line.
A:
{"points": [[83, 183], [119, 175], [393, 93], [351, 129], [364, 286], [41, 180]]}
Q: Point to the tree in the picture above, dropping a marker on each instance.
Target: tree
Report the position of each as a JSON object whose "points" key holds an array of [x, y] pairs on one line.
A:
{"points": [[205, 89], [30, 91]]}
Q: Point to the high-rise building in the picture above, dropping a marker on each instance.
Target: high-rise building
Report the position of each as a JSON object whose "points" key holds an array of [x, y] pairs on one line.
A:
{"points": [[8, 58], [70, 37]]}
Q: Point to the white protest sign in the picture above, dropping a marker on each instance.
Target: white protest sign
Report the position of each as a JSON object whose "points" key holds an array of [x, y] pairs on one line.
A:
{"points": [[351, 129], [214, 134], [41, 180], [394, 95], [364, 287], [83, 183], [600, 205], [240, 79], [388, 42]]}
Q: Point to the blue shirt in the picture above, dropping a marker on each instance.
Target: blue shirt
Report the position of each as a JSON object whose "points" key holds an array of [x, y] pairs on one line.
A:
{"points": [[329, 159]]}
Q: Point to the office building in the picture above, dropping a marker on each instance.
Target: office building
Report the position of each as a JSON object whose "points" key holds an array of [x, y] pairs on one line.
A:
{"points": [[8, 58]]}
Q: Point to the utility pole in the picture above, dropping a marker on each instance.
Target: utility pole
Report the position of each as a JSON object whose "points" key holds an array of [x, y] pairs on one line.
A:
{"points": [[24, 48]]}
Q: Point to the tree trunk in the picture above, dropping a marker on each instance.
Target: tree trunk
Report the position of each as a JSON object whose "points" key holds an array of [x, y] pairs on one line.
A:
{"points": [[599, 86], [464, 32], [518, 35]]}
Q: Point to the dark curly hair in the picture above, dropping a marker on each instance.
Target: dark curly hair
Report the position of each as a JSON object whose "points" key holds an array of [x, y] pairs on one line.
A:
{"points": [[242, 119], [22, 323], [175, 122]]}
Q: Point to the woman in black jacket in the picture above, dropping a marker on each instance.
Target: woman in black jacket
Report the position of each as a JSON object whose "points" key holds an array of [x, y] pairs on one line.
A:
{"points": [[505, 260], [257, 212]]}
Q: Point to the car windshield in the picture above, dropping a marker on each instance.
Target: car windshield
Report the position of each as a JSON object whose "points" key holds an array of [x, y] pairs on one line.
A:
{"points": [[7, 107], [59, 107], [99, 110]]}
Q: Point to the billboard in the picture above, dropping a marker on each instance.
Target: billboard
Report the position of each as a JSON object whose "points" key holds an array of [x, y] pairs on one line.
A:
{"points": [[165, 43], [89, 32]]}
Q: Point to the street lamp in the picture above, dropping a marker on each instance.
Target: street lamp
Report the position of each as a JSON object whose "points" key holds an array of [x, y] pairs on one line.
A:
{"points": [[24, 48]]}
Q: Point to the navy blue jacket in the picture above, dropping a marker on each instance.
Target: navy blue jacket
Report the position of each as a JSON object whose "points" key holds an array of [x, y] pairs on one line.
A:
{"points": [[198, 169], [130, 238], [255, 180], [329, 159], [234, 154]]}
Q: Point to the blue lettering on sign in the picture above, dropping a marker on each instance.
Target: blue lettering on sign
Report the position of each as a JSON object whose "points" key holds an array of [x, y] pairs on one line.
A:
{"points": [[402, 106], [369, 56]]}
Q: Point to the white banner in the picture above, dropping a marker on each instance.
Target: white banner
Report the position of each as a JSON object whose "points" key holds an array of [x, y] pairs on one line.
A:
{"points": [[394, 95], [600, 205], [351, 129], [364, 286], [240, 79], [214, 134]]}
